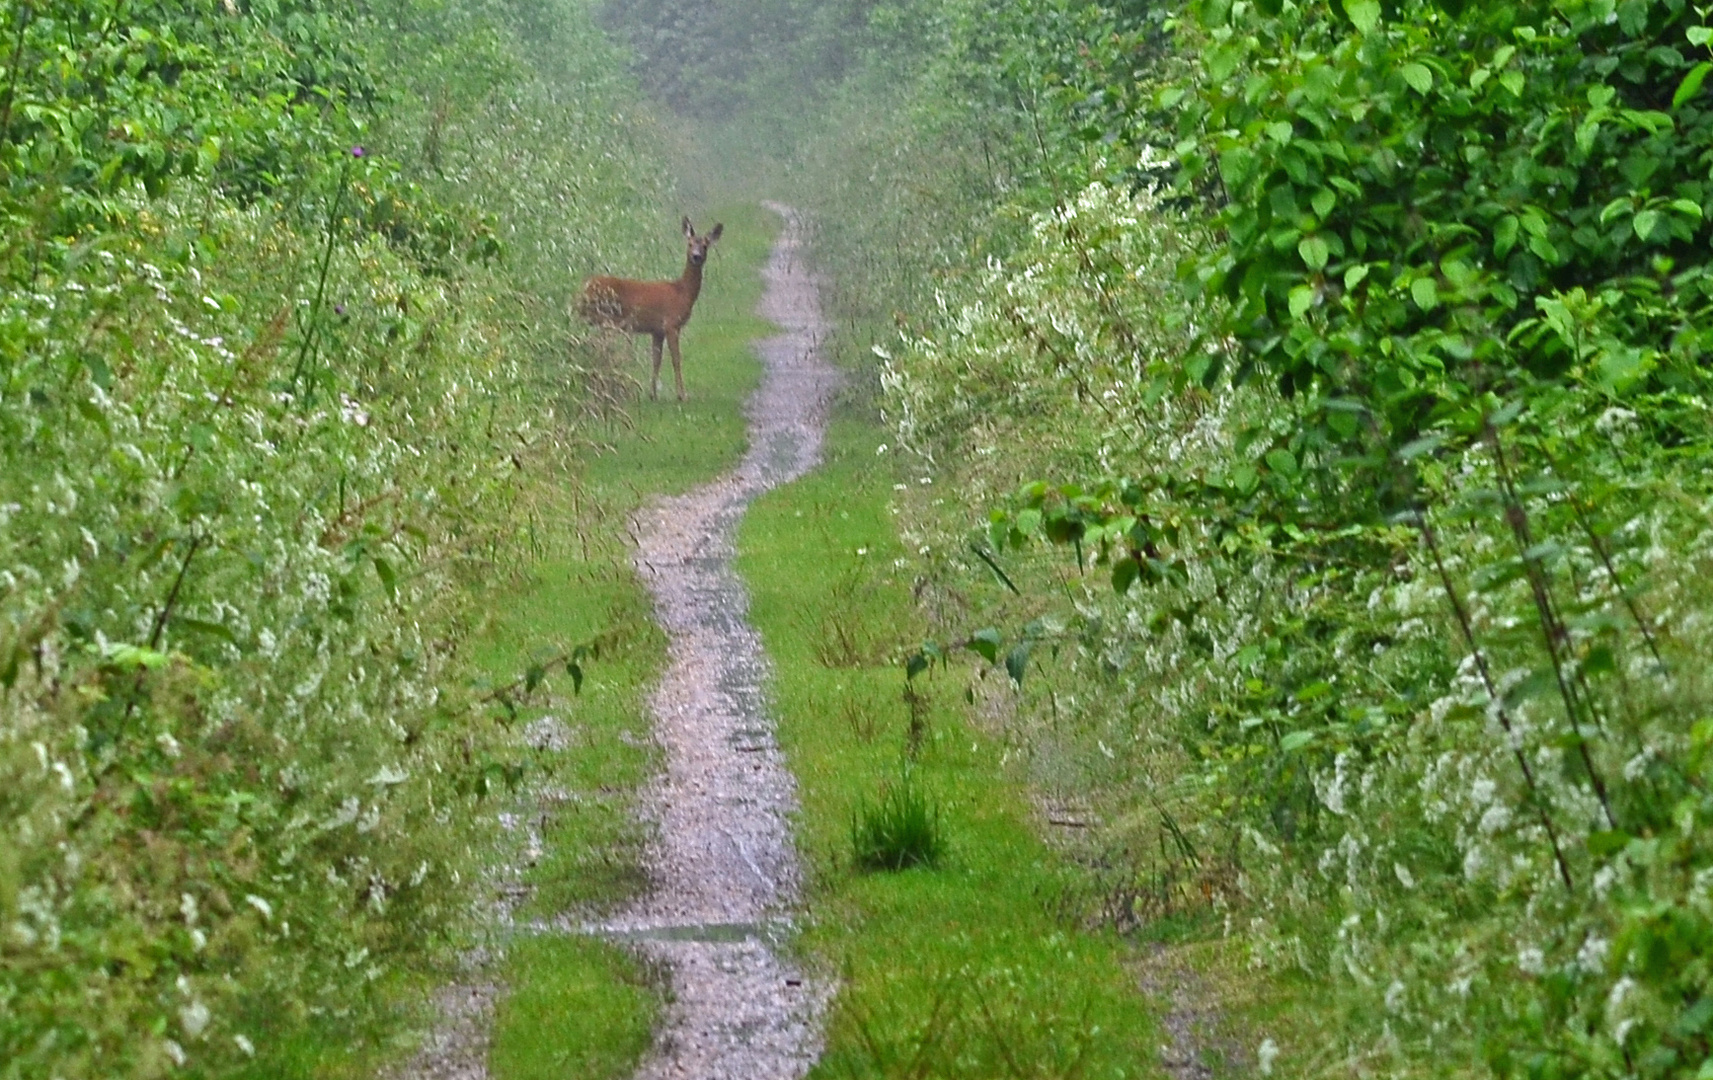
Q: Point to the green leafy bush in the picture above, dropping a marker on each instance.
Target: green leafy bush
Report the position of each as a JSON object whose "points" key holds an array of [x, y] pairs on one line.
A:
{"points": [[270, 411], [1354, 741], [1381, 631], [1422, 206]]}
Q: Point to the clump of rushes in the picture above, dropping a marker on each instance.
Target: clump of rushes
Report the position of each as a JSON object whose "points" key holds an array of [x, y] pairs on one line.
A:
{"points": [[900, 831]]}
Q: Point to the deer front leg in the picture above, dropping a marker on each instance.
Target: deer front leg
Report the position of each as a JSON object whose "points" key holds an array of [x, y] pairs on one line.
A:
{"points": [[677, 363], [654, 381]]}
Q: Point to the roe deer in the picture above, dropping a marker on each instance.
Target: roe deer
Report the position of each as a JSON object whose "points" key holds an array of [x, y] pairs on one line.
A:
{"points": [[656, 308]]}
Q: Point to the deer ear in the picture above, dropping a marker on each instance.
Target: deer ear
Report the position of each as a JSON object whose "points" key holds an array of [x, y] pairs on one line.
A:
{"points": [[689, 229], [718, 229]]}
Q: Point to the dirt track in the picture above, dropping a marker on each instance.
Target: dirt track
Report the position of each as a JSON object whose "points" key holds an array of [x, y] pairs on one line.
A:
{"points": [[724, 869]]}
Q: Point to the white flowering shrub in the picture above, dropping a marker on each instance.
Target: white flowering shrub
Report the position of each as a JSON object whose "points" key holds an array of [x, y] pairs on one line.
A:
{"points": [[269, 417], [1456, 765]]}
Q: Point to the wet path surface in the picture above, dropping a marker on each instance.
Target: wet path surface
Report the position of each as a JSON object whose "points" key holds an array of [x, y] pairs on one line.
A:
{"points": [[723, 867]]}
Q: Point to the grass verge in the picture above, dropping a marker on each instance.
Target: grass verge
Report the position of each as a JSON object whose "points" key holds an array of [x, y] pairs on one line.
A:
{"points": [[960, 970], [584, 1003], [578, 1006]]}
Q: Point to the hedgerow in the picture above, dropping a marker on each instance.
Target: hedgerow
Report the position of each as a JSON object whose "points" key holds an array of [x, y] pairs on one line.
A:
{"points": [[1355, 356], [1293, 727], [280, 359]]}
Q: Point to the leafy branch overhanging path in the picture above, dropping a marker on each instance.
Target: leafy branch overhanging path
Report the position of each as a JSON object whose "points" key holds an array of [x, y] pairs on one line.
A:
{"points": [[724, 869]]}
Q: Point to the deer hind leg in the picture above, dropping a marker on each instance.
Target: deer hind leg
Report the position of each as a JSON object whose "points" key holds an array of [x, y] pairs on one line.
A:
{"points": [[677, 364], [654, 381]]}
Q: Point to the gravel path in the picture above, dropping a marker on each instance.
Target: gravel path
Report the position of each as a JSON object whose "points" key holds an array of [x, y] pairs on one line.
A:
{"points": [[724, 868]]}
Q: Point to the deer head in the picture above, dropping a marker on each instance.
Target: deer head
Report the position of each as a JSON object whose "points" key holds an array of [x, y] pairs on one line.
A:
{"points": [[699, 245]]}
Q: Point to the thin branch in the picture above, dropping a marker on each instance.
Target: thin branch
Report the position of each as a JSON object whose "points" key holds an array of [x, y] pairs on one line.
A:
{"points": [[1466, 625], [314, 322], [1643, 623], [1552, 627], [172, 595], [24, 12], [982, 554]]}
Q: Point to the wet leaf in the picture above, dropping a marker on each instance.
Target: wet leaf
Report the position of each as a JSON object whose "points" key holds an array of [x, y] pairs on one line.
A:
{"points": [[986, 642], [1017, 662]]}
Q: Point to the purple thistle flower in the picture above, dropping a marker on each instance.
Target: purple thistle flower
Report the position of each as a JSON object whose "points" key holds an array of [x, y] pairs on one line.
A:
{"points": [[357, 151], [338, 309]]}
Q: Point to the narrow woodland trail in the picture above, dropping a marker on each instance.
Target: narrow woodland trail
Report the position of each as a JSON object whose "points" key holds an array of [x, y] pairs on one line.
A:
{"points": [[724, 869]]}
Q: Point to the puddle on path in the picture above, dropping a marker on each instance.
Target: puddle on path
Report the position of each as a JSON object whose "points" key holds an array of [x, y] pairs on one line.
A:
{"points": [[769, 933]]}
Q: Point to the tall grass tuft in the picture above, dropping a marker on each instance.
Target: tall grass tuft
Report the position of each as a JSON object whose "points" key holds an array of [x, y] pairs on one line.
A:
{"points": [[899, 831]]}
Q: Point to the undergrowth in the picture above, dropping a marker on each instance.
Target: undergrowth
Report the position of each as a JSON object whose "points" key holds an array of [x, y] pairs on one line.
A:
{"points": [[573, 1005]]}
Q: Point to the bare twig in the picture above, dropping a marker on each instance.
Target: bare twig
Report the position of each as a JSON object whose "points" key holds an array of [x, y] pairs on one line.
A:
{"points": [[23, 11], [165, 613], [1643, 623]]}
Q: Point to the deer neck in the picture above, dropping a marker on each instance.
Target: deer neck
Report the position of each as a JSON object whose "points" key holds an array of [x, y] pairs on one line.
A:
{"points": [[690, 282]]}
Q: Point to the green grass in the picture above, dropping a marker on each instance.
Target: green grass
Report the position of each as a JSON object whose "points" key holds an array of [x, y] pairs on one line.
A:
{"points": [[591, 842], [575, 1006], [354, 1044], [578, 1008], [955, 971]]}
